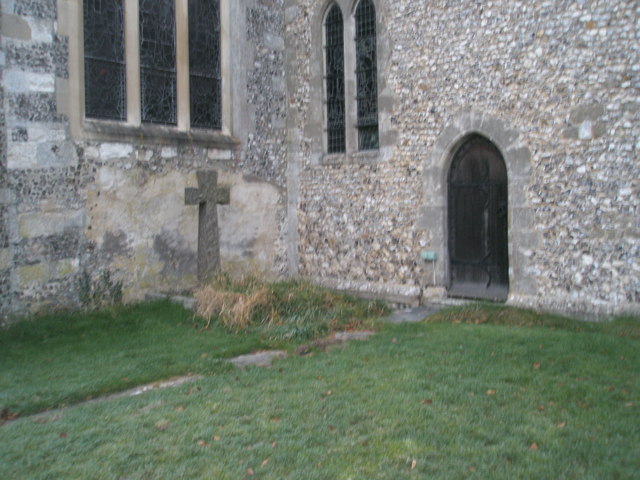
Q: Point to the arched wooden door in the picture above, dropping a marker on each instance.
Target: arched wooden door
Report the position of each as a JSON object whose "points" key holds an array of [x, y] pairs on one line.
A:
{"points": [[477, 221]]}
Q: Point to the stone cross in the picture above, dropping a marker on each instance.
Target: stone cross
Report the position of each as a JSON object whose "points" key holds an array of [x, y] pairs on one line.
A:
{"points": [[207, 196]]}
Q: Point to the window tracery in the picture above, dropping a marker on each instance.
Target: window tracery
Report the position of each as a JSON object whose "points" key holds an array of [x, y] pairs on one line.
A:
{"points": [[147, 84], [158, 61], [204, 64], [104, 59]]}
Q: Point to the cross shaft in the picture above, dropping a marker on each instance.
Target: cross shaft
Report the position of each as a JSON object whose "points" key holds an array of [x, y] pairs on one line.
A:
{"points": [[208, 196]]}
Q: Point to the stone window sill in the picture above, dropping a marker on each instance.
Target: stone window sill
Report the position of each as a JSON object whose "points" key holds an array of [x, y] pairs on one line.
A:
{"points": [[157, 134], [353, 158]]}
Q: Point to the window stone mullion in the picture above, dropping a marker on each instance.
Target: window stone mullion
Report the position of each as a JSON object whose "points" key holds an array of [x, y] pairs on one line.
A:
{"points": [[182, 57], [350, 84], [132, 54]]}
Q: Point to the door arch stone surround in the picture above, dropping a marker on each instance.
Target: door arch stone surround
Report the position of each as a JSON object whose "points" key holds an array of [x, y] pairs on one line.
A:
{"points": [[523, 237]]}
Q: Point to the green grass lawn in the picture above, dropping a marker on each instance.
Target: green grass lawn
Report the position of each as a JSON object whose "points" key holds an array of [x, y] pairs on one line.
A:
{"points": [[66, 358], [439, 400]]}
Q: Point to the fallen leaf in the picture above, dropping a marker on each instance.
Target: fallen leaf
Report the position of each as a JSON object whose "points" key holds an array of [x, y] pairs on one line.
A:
{"points": [[472, 469], [329, 393], [628, 404], [533, 447], [204, 355], [5, 414], [273, 445], [491, 392], [264, 463], [202, 443], [561, 424], [180, 408], [536, 366], [541, 407], [275, 419], [216, 438], [413, 465], [394, 340], [427, 401], [63, 435], [162, 424], [249, 471]]}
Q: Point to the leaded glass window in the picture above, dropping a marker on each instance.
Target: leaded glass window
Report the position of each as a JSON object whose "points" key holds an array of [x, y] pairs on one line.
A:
{"points": [[366, 76], [334, 71], [104, 60], [204, 63], [158, 61]]}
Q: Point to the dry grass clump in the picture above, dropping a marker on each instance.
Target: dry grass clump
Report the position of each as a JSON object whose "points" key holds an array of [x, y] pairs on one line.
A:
{"points": [[282, 311], [235, 310]]}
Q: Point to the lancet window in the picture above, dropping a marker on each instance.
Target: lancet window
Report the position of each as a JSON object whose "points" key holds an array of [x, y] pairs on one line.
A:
{"points": [[334, 80], [366, 76]]}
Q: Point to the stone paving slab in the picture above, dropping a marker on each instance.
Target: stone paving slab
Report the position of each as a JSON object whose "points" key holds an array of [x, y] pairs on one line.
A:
{"points": [[413, 315], [55, 414], [173, 382], [347, 336], [258, 359]]}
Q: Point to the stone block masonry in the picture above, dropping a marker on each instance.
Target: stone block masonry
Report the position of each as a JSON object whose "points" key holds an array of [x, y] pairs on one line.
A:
{"points": [[74, 201]]}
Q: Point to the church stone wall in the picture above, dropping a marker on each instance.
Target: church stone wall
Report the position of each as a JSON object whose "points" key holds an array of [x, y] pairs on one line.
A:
{"points": [[265, 155], [554, 84], [564, 76], [71, 203]]}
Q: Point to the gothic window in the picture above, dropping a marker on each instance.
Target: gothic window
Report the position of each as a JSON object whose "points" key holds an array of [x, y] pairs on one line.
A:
{"points": [[366, 72], [204, 63], [334, 79], [104, 59], [158, 61], [168, 91]]}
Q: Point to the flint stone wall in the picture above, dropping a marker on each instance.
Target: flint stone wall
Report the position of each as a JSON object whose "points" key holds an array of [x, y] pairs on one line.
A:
{"points": [[564, 76]]}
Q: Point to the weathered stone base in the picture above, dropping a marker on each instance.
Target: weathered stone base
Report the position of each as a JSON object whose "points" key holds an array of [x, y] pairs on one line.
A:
{"points": [[583, 309], [398, 294]]}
